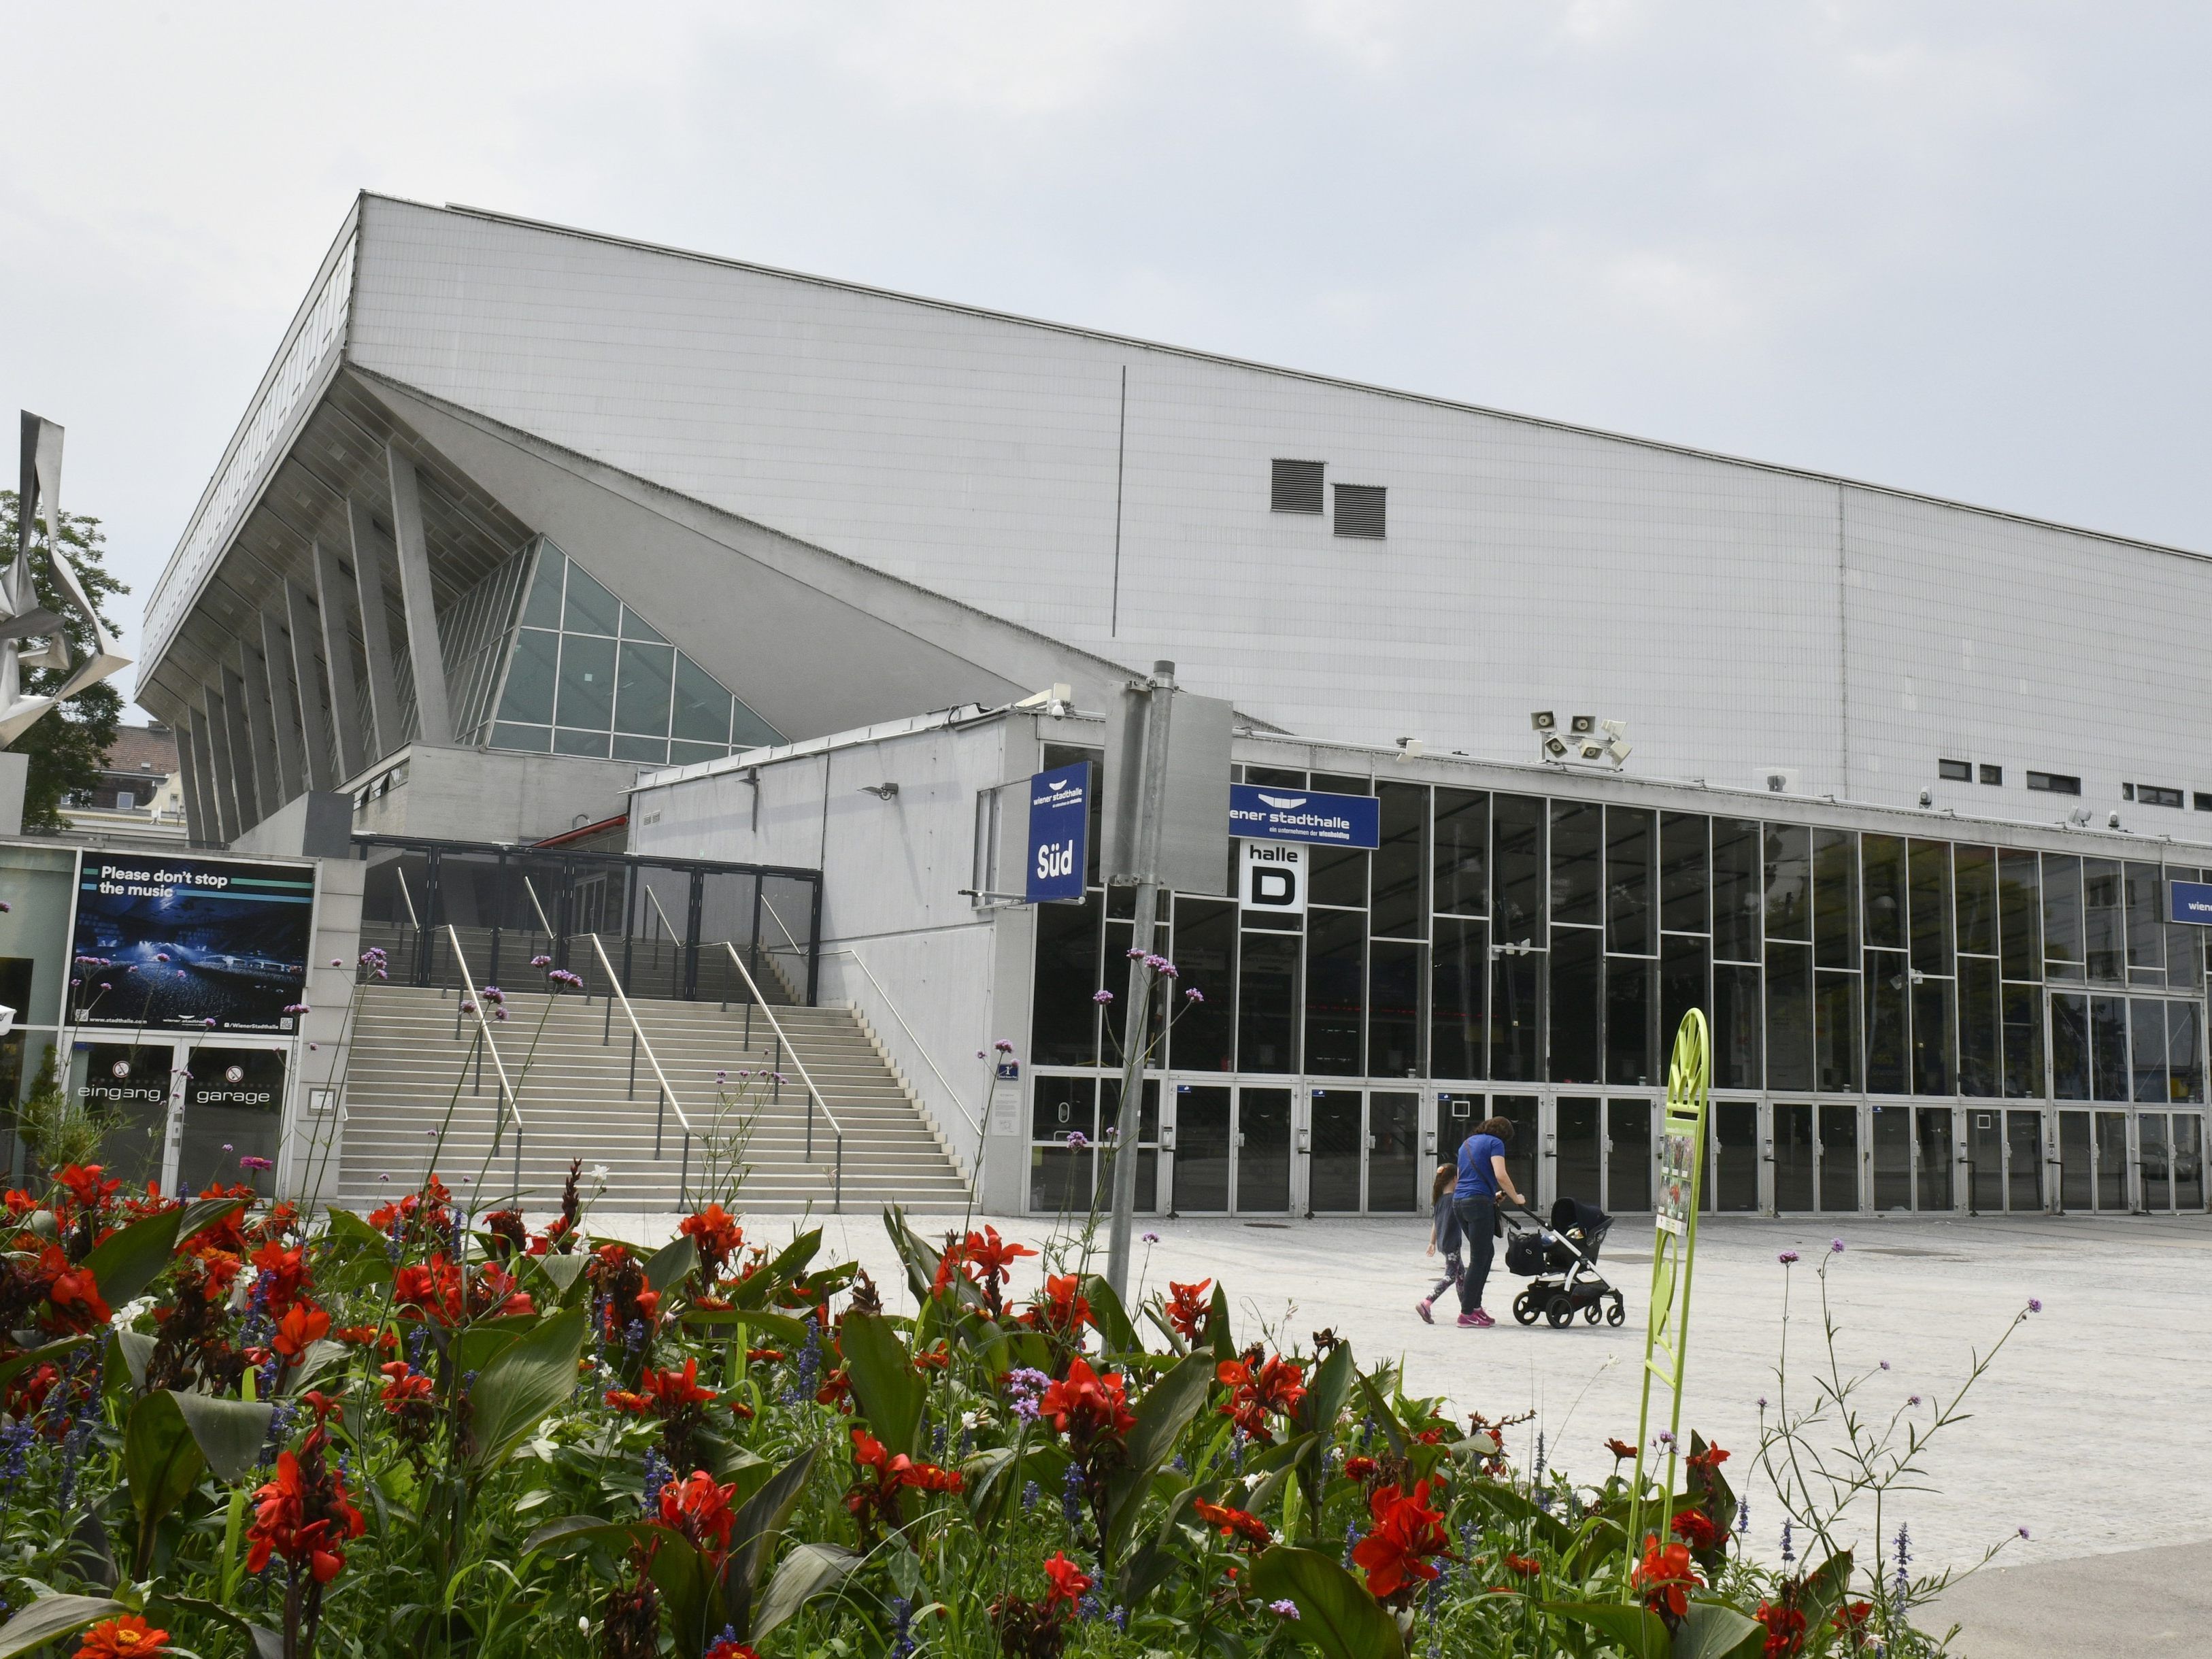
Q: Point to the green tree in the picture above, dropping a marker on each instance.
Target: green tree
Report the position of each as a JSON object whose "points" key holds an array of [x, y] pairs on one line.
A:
{"points": [[68, 745]]}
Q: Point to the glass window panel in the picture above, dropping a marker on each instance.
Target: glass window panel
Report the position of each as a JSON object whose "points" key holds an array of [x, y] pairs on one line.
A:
{"points": [[1789, 880], [530, 674], [634, 626], [1337, 875], [1266, 1002], [702, 706], [591, 744], [1342, 783], [2146, 900], [1628, 1154], [1517, 1016], [542, 608], [1201, 1162], [1738, 1055], [1064, 1106], [2184, 943], [591, 609], [642, 677], [653, 751], [1977, 1027], [1518, 869], [1204, 1033], [2023, 1042], [1934, 1048], [2108, 1047], [1789, 1015], [2070, 1046], [1737, 890], [1793, 1158], [1883, 857], [2184, 1051], [1683, 962], [1892, 1157], [1630, 845], [1059, 1180], [2020, 911], [2061, 916], [749, 731], [1932, 1128], [2147, 1050], [1930, 863], [1148, 1116], [1400, 901], [2102, 896], [1063, 1018], [1277, 777], [1577, 852], [1632, 1020], [1974, 878], [1840, 1157], [1393, 1008], [1577, 955], [586, 696], [1836, 1031], [1889, 1024], [1685, 873], [534, 740], [1263, 1150], [1462, 852], [1835, 898], [1336, 973], [1457, 1019], [684, 754]]}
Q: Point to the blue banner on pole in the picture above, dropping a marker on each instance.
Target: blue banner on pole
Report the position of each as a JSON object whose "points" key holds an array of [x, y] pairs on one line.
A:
{"points": [[2190, 901], [1262, 812], [1059, 833]]}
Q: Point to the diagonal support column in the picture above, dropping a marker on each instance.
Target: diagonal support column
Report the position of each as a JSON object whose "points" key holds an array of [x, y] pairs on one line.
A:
{"points": [[245, 788], [426, 656], [222, 773], [383, 734], [308, 681], [190, 775], [284, 706], [351, 748], [260, 708]]}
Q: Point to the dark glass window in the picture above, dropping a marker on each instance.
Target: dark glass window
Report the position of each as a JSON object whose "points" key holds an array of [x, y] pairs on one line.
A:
{"points": [[1835, 898], [1277, 777], [2146, 1031], [2023, 1042], [1338, 875], [1685, 879], [1393, 1008], [1205, 1032], [1517, 871], [1836, 1031], [2185, 943], [1974, 877], [1457, 1019], [1578, 954], [1517, 1016], [586, 696], [1992, 774], [1631, 838], [592, 608], [1266, 1002], [643, 679], [530, 674], [2070, 1046], [1063, 1106], [1883, 860], [1738, 881], [1978, 1027], [2054, 783], [1577, 853], [1342, 783], [1931, 909], [1954, 771], [2020, 910], [1336, 975], [1632, 1019], [1683, 962], [1788, 878], [1462, 853], [1889, 1024], [543, 609], [2108, 1047], [1401, 905], [2102, 894], [2146, 924], [1933, 1049], [2063, 934], [1788, 1016], [2185, 1053], [1063, 1017], [2151, 794], [1739, 1057]]}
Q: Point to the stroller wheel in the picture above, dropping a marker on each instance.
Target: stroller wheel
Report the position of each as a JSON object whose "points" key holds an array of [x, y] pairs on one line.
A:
{"points": [[1560, 1311], [1592, 1313], [1524, 1310], [1617, 1313]]}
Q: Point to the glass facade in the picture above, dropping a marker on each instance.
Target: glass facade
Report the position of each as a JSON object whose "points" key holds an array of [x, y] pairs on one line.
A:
{"points": [[586, 675], [1504, 946]]}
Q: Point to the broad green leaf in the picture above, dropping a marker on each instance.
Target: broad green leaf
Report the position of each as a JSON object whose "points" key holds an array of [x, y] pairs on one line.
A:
{"points": [[561, 1271], [345, 1225], [1330, 1387], [760, 1518], [1639, 1632], [51, 1618], [127, 1260], [1521, 1509], [13, 1368], [919, 1259], [524, 1384], [321, 1357], [1825, 1587], [806, 1572], [1216, 1326], [1379, 1409], [671, 1263], [780, 1326], [230, 1433], [1112, 1319], [161, 1459], [474, 1346], [694, 1609], [888, 1389], [1335, 1611], [1163, 1413], [1714, 1630], [571, 1533], [136, 1348], [203, 1213]]}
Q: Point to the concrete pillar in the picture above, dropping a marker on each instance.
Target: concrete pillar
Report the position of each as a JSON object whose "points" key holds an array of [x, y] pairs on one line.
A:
{"points": [[244, 786], [308, 682], [188, 778], [260, 708], [384, 735], [352, 751], [284, 705], [223, 774], [426, 656]]}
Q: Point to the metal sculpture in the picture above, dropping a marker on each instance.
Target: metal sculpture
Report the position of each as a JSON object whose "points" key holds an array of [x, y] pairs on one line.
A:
{"points": [[30, 634]]}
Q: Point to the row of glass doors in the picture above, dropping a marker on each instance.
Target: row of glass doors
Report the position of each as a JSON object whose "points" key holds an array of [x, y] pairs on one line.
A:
{"points": [[186, 1113]]}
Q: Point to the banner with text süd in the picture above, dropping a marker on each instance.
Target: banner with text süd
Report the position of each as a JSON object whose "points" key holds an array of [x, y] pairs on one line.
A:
{"points": [[190, 944]]}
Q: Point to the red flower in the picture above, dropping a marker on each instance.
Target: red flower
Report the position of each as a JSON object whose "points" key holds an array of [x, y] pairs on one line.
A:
{"points": [[363, 1336], [1084, 1405], [1059, 1308], [717, 1237], [405, 1385], [895, 1470], [303, 1516], [663, 1394], [1404, 1531], [283, 1272], [303, 1323], [1360, 1468], [1707, 1460], [1620, 1449], [729, 1647], [1069, 1582], [1696, 1530], [128, 1637], [1276, 1387], [1188, 1307], [1235, 1523], [1852, 1619], [1523, 1566], [88, 1187], [1785, 1631], [1666, 1577], [699, 1510], [432, 1289], [73, 1292]]}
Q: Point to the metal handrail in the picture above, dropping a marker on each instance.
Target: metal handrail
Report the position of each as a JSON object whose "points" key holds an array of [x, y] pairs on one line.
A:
{"points": [[638, 1040], [974, 1123], [532, 890], [400, 875], [813, 1095], [509, 1106]]}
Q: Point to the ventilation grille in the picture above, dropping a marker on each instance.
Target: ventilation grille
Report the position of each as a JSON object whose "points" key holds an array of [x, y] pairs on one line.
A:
{"points": [[1359, 511], [1298, 487]]}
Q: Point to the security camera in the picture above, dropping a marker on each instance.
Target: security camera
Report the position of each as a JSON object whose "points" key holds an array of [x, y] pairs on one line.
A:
{"points": [[1927, 798], [2113, 821], [1583, 725], [1543, 720]]}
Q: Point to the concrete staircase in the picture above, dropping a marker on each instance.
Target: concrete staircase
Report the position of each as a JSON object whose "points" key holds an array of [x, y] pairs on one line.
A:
{"points": [[577, 1101]]}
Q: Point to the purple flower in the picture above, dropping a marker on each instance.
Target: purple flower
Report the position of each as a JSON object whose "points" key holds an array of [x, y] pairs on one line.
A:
{"points": [[541, 962], [1913, 1400], [1151, 1239], [1193, 994], [1885, 1365], [1133, 954], [250, 1161], [1077, 1140], [1836, 1246], [5, 907], [1003, 1046], [1787, 1257], [337, 962], [2035, 1305], [499, 1013], [721, 1076], [1762, 1402], [384, 1177], [979, 1054], [1102, 997], [1284, 1609], [2023, 1532], [208, 1023], [467, 1007], [161, 956], [227, 1147]]}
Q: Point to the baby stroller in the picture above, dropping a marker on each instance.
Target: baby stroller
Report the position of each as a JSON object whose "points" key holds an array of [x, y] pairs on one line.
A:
{"points": [[1561, 1262]]}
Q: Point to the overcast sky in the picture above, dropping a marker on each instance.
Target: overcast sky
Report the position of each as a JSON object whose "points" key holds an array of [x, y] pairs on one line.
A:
{"points": [[1958, 248]]}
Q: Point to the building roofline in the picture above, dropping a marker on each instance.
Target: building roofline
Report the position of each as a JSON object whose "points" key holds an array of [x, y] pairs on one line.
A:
{"points": [[1838, 480]]}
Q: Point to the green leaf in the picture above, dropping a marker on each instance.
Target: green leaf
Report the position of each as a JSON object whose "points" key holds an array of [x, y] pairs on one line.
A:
{"points": [[126, 1260], [1638, 1631], [1335, 1611], [161, 1459], [919, 1259], [51, 1618], [781, 1327], [524, 1384], [673, 1262], [346, 1225], [806, 1572], [561, 1271], [136, 1348], [230, 1433], [1714, 1630], [890, 1392], [1111, 1318], [1379, 1409], [1216, 1326], [13, 1368], [760, 1519], [1326, 1394], [571, 1533], [321, 1355], [1825, 1587], [1163, 1413], [203, 1213]]}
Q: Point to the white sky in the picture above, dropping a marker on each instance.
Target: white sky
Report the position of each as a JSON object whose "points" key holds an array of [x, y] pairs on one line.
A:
{"points": [[1959, 247]]}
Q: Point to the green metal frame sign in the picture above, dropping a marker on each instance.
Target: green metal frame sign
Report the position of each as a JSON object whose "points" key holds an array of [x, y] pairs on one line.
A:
{"points": [[1673, 1254]]}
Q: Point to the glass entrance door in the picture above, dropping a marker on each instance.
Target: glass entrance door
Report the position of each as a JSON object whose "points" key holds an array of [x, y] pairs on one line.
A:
{"points": [[2188, 1161], [2023, 1161], [130, 1085], [1840, 1157], [1732, 1181], [1263, 1151], [1935, 1152], [1892, 1157], [1627, 1155], [1985, 1162], [1525, 1113], [1793, 1155], [2170, 1160], [1332, 1176], [1201, 1150], [1576, 1155], [232, 1118], [1393, 1152]]}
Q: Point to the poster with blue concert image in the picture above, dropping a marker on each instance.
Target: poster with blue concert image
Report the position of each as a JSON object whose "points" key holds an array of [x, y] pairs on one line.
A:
{"points": [[206, 944]]}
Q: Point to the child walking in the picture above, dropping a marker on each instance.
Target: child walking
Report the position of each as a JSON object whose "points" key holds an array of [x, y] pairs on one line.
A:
{"points": [[1444, 1235]]}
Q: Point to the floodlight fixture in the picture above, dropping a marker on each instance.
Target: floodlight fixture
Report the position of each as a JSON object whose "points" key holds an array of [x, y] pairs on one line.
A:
{"points": [[2113, 821], [1410, 748]]}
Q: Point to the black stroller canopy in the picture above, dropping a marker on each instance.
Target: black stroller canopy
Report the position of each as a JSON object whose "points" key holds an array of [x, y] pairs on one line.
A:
{"points": [[1571, 1212]]}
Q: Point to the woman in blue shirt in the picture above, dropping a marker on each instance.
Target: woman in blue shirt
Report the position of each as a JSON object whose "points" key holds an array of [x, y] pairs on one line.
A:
{"points": [[1482, 1177]]}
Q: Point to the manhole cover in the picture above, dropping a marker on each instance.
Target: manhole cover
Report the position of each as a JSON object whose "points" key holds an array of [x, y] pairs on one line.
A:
{"points": [[1283, 1225]]}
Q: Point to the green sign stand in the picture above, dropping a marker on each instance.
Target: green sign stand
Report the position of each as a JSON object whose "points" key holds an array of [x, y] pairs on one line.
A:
{"points": [[1674, 1253]]}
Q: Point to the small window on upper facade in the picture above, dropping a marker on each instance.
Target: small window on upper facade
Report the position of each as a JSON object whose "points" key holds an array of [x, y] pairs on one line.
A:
{"points": [[1955, 771], [1296, 487], [2151, 794], [1993, 774], [2054, 783], [1359, 511]]}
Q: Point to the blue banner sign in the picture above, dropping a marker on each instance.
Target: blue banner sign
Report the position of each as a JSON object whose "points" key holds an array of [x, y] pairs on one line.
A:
{"points": [[2189, 901], [1059, 834], [1262, 812]]}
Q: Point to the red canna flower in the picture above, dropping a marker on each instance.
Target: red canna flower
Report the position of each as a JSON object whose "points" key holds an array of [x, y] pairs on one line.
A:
{"points": [[1188, 1307], [699, 1510], [1084, 1405], [717, 1237], [729, 1647], [1696, 1530], [1258, 1390], [283, 1272], [88, 1185], [1235, 1523], [1707, 1460], [1404, 1531], [1851, 1619], [73, 1292], [1666, 1577], [663, 1394], [1620, 1449], [303, 1323], [367, 1336], [1523, 1566], [128, 1637], [1785, 1631], [1059, 1308], [303, 1516], [1069, 1583], [431, 1289]]}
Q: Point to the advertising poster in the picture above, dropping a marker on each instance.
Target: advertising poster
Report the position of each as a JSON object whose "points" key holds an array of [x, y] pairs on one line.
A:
{"points": [[190, 944]]}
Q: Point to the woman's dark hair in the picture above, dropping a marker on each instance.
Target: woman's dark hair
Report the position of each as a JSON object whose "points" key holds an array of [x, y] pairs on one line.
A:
{"points": [[1500, 1127], [1446, 1176]]}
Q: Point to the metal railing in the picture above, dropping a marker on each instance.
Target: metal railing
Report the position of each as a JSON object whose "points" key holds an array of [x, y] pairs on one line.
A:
{"points": [[813, 1095], [943, 1082], [637, 1041], [473, 998]]}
